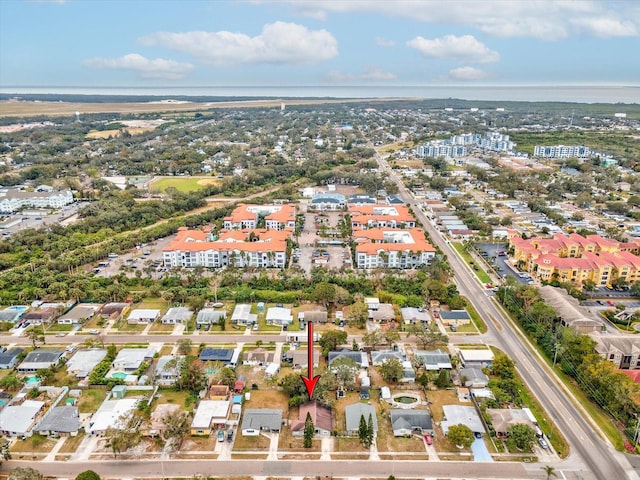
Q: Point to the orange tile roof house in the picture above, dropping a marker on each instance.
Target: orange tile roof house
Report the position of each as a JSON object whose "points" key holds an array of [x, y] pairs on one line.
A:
{"points": [[392, 248], [277, 217], [248, 248]]}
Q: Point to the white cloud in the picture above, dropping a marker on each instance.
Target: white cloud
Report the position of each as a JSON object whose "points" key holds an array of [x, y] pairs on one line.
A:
{"points": [[383, 42], [144, 67], [465, 48], [371, 74], [467, 74], [543, 19], [607, 27], [278, 43]]}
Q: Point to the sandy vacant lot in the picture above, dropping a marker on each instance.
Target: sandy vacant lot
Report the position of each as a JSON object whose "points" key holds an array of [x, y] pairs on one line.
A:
{"points": [[23, 109]]}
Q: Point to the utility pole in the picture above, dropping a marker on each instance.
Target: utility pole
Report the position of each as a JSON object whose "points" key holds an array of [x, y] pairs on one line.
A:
{"points": [[556, 346]]}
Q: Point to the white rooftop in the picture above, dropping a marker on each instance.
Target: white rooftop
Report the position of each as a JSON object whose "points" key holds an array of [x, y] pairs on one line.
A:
{"points": [[144, 313], [241, 312], [480, 355], [86, 360], [209, 411], [110, 412], [19, 418], [279, 313]]}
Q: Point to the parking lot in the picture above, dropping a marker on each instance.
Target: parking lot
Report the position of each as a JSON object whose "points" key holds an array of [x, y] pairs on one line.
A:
{"points": [[36, 218], [503, 267]]}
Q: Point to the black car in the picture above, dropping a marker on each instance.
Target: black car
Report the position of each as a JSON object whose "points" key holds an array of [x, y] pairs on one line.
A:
{"points": [[230, 436]]}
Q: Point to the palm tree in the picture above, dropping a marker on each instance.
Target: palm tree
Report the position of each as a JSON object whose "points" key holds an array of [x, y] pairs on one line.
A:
{"points": [[550, 471]]}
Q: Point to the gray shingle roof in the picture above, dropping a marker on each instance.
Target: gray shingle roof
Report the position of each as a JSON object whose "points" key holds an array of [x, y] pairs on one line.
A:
{"points": [[60, 419], [262, 418]]}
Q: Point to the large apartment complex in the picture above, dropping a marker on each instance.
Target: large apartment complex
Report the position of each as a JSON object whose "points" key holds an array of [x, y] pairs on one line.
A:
{"points": [[577, 259], [392, 248], [13, 200], [276, 217]]}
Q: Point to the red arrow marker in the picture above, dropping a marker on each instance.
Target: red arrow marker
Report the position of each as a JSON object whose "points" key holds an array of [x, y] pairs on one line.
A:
{"points": [[310, 382]]}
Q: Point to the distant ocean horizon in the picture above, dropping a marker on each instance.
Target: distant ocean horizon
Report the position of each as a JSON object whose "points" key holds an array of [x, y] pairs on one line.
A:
{"points": [[533, 93]]}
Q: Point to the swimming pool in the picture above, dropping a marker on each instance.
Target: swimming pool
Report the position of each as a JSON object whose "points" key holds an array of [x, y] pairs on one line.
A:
{"points": [[33, 379], [18, 308], [119, 375]]}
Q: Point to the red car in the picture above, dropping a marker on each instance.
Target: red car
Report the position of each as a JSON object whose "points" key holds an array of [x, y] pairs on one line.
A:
{"points": [[428, 439], [611, 303]]}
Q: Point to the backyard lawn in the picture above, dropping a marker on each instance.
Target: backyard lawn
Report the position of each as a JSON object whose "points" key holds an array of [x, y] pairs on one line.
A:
{"points": [[90, 400]]}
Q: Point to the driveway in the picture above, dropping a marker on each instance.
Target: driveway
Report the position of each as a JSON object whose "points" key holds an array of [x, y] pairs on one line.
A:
{"points": [[480, 451]]}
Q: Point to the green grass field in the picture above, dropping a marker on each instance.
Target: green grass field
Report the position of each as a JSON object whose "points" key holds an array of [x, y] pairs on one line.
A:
{"points": [[480, 273], [182, 184]]}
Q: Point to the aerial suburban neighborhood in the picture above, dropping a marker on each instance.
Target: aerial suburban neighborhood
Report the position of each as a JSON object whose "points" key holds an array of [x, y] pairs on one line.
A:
{"points": [[467, 293]]}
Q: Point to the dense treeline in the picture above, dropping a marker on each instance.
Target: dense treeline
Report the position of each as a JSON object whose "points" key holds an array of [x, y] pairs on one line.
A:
{"points": [[575, 355]]}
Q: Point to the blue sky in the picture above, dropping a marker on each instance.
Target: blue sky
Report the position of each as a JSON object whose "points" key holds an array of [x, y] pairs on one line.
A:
{"points": [[318, 42]]}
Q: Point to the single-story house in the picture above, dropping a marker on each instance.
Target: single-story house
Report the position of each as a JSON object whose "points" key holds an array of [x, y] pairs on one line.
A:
{"points": [[407, 422], [156, 421], [210, 316], [408, 373], [223, 355], [256, 420], [299, 358], [218, 392], [352, 414], [271, 370], [476, 357], [372, 303], [411, 315], [473, 377], [177, 315], [279, 316], [359, 357], [38, 317], [129, 360], [110, 413], [167, 369], [379, 356], [384, 313], [210, 413], [60, 421], [143, 315], [79, 314], [461, 415], [12, 314], [9, 358], [320, 415], [38, 359], [113, 310], [242, 315], [17, 420], [258, 357], [455, 317], [84, 361], [503, 418], [433, 359], [317, 315]]}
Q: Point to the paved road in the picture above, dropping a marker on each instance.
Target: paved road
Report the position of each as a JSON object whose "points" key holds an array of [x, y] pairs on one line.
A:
{"points": [[599, 456], [283, 468]]}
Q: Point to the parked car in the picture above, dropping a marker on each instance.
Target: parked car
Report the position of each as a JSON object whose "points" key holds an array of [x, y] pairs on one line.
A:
{"points": [[255, 327], [428, 439], [610, 302], [543, 443], [221, 435], [230, 436]]}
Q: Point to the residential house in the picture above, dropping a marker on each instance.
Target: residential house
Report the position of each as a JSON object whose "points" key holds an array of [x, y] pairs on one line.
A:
{"points": [[320, 415], [110, 415], [470, 357], [9, 359], [84, 361], [210, 414], [12, 314], [218, 392], [411, 315], [433, 360], [455, 317], [405, 422], [570, 312], [408, 373], [113, 311], [473, 377], [177, 315], [143, 315], [384, 313], [18, 420], [167, 370], [258, 357], [210, 316], [40, 316], [60, 422], [461, 415], [242, 315], [129, 360], [299, 358], [359, 357], [503, 418], [224, 355], [39, 359], [354, 412], [79, 314], [256, 420], [318, 315], [279, 316], [378, 357]]}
